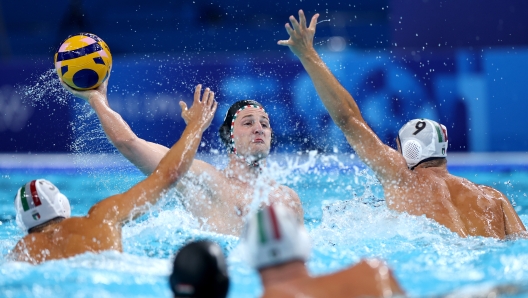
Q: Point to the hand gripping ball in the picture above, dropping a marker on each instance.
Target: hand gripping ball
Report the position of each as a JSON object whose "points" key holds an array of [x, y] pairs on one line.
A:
{"points": [[83, 61]]}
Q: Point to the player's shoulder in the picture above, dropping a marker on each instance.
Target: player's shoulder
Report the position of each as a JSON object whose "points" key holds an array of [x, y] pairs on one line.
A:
{"points": [[490, 191], [288, 190], [200, 167]]}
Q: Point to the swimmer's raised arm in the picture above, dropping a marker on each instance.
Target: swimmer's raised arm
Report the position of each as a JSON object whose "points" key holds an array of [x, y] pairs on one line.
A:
{"points": [[171, 168], [386, 162], [143, 154]]}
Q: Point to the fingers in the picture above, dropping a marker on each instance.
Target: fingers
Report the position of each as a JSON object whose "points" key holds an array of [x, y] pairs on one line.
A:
{"points": [[290, 32], [210, 99], [295, 24], [313, 22], [302, 19], [289, 29], [197, 92], [205, 96], [183, 105], [213, 108]]}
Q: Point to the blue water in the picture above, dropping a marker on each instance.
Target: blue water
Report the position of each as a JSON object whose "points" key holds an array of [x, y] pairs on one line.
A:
{"points": [[344, 213]]}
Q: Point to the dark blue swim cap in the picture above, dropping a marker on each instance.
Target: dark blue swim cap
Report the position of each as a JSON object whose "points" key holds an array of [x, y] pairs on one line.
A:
{"points": [[200, 271]]}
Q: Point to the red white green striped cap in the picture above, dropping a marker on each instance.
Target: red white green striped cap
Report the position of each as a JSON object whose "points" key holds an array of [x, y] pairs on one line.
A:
{"points": [[274, 236], [29, 196], [39, 201]]}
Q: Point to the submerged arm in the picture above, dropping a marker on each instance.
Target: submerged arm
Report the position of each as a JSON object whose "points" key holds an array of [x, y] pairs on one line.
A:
{"points": [[170, 169], [513, 224], [386, 162]]}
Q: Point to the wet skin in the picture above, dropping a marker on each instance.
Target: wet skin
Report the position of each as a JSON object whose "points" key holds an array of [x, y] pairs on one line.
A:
{"points": [[464, 207], [100, 229], [368, 278], [221, 199], [217, 198]]}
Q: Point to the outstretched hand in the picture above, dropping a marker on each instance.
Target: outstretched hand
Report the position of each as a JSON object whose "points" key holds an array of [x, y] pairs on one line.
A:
{"points": [[99, 92], [301, 37], [201, 111]]}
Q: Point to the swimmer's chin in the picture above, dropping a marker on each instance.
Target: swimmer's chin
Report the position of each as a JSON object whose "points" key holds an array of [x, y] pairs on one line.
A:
{"points": [[257, 156]]}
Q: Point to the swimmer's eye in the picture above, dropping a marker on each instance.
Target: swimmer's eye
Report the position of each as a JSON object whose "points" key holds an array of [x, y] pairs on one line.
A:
{"points": [[264, 124]]}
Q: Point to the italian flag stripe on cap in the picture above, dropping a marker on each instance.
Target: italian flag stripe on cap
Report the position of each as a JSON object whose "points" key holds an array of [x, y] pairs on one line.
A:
{"points": [[262, 233], [274, 222], [439, 133], [23, 198], [34, 193]]}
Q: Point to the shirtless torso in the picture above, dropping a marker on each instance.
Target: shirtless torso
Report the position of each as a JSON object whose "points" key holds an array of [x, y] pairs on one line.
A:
{"points": [[457, 203], [462, 206], [68, 238], [221, 200], [218, 198]]}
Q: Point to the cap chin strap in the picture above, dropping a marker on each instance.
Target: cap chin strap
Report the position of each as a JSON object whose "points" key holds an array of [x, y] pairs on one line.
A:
{"points": [[422, 161], [251, 162]]}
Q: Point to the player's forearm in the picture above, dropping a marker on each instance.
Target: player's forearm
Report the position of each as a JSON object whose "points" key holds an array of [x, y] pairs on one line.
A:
{"points": [[336, 99], [115, 128], [180, 157]]}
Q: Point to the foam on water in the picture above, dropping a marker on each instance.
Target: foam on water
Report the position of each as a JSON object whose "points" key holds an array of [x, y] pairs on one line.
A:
{"points": [[344, 212], [108, 270]]}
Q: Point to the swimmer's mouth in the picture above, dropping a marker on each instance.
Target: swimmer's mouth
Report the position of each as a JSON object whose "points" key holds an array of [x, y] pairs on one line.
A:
{"points": [[260, 141]]}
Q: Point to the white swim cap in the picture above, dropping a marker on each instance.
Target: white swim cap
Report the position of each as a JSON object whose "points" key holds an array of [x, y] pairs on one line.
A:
{"points": [[273, 236], [421, 139], [38, 202]]}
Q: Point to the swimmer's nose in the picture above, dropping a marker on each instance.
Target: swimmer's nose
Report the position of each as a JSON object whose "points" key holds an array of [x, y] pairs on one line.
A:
{"points": [[259, 129]]}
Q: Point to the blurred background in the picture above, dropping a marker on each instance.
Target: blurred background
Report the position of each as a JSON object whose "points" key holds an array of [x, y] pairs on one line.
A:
{"points": [[463, 63]]}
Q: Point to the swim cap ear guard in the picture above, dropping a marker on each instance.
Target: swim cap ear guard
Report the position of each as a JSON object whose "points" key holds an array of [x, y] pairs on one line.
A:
{"points": [[225, 130], [422, 140], [39, 201], [200, 271], [274, 236]]}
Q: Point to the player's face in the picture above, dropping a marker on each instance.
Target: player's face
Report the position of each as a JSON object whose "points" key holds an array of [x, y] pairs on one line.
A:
{"points": [[252, 133]]}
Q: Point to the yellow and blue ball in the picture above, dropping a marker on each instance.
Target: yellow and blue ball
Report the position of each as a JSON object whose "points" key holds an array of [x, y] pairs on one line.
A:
{"points": [[83, 61]]}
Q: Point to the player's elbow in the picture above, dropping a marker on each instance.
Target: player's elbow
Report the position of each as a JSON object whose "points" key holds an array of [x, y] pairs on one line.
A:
{"points": [[169, 175], [125, 144], [341, 119]]}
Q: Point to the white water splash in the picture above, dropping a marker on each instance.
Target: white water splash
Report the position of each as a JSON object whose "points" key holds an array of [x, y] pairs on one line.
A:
{"points": [[46, 88]]}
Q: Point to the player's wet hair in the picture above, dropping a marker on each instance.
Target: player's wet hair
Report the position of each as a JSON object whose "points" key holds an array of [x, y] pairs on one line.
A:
{"points": [[200, 271]]}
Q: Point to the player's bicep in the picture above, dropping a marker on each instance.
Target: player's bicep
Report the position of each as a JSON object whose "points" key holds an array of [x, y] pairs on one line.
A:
{"points": [[512, 221], [122, 207], [387, 163], [145, 155]]}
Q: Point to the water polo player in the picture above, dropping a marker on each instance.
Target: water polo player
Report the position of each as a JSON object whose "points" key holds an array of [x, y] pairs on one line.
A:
{"points": [[276, 244], [218, 198], [44, 212], [199, 271], [415, 179]]}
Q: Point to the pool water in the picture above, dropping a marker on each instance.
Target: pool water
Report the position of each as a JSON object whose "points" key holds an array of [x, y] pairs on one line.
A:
{"points": [[344, 213]]}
